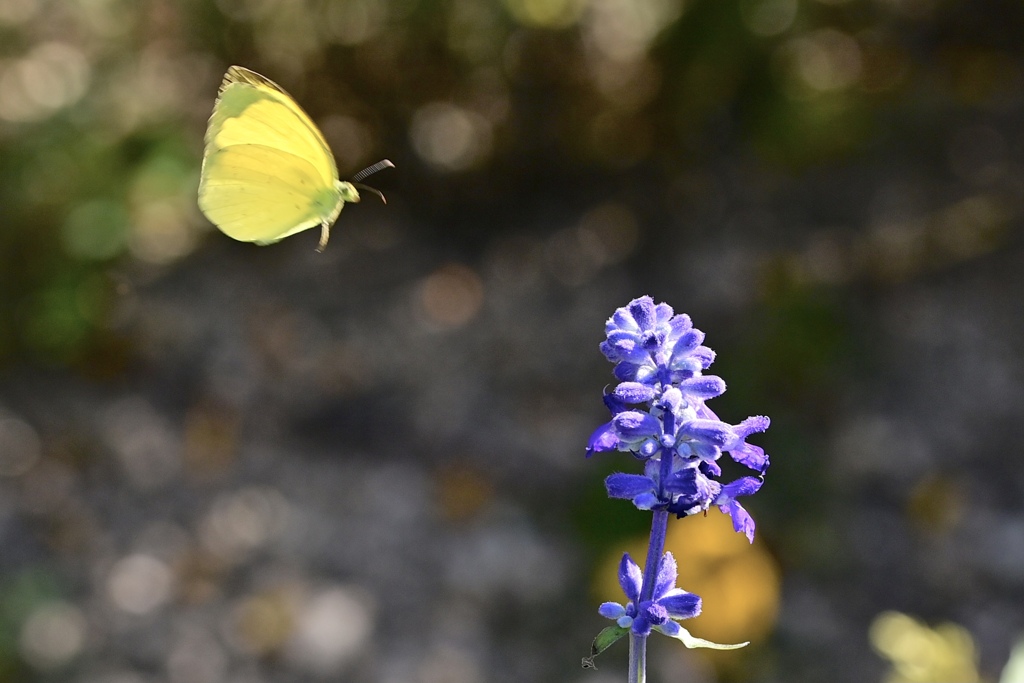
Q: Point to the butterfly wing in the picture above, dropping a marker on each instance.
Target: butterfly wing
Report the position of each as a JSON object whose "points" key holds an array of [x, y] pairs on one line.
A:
{"points": [[258, 193], [252, 109]]}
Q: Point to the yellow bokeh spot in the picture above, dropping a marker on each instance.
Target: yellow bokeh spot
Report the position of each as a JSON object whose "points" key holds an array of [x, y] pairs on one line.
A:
{"points": [[738, 582], [462, 492], [263, 623], [451, 296], [920, 654], [552, 14], [936, 504]]}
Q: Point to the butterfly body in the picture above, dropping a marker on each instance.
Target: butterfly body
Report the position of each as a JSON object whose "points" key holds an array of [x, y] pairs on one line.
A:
{"points": [[267, 170]]}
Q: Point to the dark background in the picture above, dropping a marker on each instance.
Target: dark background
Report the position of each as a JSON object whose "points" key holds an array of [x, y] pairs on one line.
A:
{"points": [[222, 462]]}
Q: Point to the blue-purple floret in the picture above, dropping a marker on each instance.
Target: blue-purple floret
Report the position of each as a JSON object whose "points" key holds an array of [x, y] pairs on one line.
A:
{"points": [[666, 604], [658, 411]]}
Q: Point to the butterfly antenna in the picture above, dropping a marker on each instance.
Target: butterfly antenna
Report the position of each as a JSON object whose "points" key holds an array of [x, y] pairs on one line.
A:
{"points": [[370, 170], [373, 190]]}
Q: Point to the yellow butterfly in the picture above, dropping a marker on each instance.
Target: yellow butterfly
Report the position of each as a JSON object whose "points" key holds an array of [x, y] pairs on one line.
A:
{"points": [[267, 170]]}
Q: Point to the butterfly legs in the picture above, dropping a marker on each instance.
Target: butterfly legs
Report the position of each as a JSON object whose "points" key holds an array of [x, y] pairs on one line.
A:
{"points": [[325, 234]]}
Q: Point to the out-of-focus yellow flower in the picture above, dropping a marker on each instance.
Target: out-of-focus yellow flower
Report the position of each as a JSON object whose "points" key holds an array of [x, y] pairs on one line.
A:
{"points": [[920, 654], [1014, 670]]}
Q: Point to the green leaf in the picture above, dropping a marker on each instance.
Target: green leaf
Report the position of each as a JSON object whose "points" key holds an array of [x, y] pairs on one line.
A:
{"points": [[694, 642], [603, 641]]}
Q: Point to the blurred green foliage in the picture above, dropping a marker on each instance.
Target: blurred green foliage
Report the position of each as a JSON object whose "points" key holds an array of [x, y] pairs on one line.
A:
{"points": [[19, 596], [485, 105]]}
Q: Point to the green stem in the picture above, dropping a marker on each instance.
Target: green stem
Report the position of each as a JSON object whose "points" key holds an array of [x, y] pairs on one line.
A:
{"points": [[637, 658], [655, 549], [638, 644]]}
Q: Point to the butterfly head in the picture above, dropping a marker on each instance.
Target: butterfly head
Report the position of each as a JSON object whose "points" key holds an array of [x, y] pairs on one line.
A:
{"points": [[347, 191]]}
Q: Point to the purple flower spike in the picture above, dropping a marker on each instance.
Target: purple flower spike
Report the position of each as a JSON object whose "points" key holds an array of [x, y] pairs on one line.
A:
{"points": [[660, 416]]}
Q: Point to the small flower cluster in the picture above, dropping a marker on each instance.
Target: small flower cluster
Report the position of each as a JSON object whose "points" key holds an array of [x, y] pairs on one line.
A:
{"points": [[656, 613], [659, 415]]}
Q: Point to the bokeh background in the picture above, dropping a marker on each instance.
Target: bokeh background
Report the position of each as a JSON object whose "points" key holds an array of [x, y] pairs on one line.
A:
{"points": [[227, 463]]}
